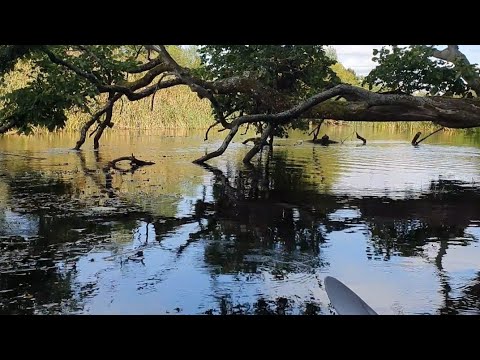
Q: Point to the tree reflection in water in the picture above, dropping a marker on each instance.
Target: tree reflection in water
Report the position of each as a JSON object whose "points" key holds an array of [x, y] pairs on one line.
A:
{"points": [[250, 222]]}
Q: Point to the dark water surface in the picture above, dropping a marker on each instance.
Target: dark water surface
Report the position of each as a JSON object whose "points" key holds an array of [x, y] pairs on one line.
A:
{"points": [[396, 223]]}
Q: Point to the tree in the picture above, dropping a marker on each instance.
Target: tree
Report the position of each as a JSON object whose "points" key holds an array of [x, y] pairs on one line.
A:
{"points": [[292, 73], [270, 87], [422, 68]]}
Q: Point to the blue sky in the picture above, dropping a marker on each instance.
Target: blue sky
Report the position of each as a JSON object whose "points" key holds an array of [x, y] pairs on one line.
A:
{"points": [[359, 57]]}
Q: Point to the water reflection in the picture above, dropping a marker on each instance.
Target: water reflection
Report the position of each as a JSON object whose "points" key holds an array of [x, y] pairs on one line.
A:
{"points": [[232, 239]]}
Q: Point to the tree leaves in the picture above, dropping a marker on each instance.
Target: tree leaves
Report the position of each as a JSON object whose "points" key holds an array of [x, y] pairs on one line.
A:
{"points": [[411, 69], [53, 89], [296, 71]]}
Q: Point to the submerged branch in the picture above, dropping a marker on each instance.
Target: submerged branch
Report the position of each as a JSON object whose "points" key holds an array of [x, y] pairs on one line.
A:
{"points": [[259, 144], [209, 128], [361, 138], [316, 130], [197, 88], [221, 149], [83, 132], [415, 138], [417, 135], [134, 163]]}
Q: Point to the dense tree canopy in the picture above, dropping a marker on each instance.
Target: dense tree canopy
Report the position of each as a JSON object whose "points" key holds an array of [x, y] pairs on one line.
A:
{"points": [[294, 72], [269, 86], [415, 68]]}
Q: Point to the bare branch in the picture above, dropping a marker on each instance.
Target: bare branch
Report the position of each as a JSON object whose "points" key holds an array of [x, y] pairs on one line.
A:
{"points": [[201, 91], [147, 66], [134, 163], [94, 130], [221, 149], [246, 130], [153, 88], [417, 135], [260, 144], [94, 118], [104, 124], [210, 127], [361, 138], [415, 138]]}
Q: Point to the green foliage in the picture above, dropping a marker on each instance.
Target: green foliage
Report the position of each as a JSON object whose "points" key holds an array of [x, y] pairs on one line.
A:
{"points": [[299, 70], [331, 53], [413, 68], [186, 56], [346, 76], [41, 95], [52, 90], [296, 71], [10, 55]]}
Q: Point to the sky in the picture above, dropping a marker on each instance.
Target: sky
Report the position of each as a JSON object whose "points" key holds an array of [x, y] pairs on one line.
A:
{"points": [[359, 57]]}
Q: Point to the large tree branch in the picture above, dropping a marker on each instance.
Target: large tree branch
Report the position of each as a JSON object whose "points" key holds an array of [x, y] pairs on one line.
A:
{"points": [[259, 145], [448, 112], [221, 149], [127, 88], [147, 66], [80, 72], [106, 108], [104, 123], [165, 63], [200, 90], [149, 90], [451, 53], [369, 106]]}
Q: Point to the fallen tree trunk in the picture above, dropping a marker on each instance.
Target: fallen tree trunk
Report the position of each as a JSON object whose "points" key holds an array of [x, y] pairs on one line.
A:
{"points": [[363, 105], [358, 104], [273, 105], [444, 111]]}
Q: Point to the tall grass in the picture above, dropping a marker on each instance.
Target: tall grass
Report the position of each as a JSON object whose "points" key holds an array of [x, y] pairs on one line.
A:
{"points": [[173, 108], [176, 107], [394, 126]]}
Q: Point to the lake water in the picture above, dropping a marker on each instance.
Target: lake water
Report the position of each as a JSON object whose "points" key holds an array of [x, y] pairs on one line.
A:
{"points": [[398, 224]]}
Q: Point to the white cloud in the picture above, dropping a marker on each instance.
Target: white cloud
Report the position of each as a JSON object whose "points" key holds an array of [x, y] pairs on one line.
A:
{"points": [[359, 57], [356, 57]]}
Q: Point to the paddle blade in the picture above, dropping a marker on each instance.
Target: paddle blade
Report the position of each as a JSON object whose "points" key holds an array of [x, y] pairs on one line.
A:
{"points": [[344, 300]]}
